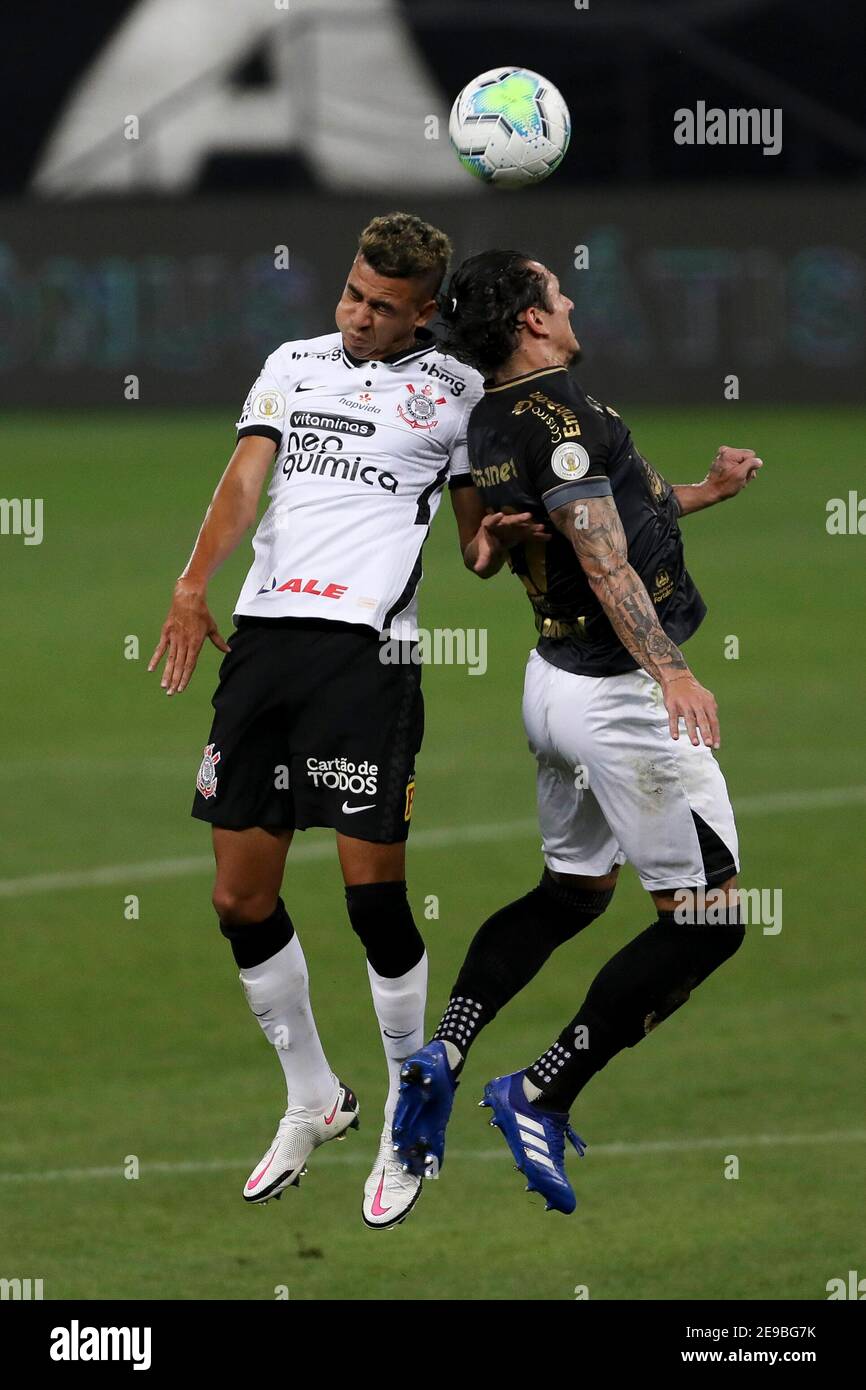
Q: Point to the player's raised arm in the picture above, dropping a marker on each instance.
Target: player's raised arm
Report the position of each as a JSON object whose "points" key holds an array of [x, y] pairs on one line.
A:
{"points": [[730, 471], [594, 528], [484, 541], [231, 513]]}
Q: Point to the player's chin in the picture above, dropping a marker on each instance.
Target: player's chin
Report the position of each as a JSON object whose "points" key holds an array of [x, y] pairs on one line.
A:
{"points": [[359, 347]]}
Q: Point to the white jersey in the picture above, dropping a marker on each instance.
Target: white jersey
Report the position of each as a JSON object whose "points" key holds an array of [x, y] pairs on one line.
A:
{"points": [[363, 452]]}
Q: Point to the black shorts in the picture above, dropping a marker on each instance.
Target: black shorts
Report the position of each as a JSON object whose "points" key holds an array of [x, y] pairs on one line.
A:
{"points": [[311, 728]]}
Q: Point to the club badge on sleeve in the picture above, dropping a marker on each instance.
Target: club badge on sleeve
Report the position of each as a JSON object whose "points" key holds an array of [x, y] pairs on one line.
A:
{"points": [[569, 461], [268, 404]]}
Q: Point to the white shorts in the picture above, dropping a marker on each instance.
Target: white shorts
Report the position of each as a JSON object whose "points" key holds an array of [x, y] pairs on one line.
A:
{"points": [[614, 786]]}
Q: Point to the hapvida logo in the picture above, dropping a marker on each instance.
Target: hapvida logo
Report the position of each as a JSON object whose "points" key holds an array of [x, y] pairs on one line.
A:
{"points": [[363, 401]]}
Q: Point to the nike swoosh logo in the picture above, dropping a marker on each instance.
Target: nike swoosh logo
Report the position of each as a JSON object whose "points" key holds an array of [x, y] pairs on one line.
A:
{"points": [[308, 388], [377, 1208], [329, 1118], [254, 1182], [398, 1035], [353, 810]]}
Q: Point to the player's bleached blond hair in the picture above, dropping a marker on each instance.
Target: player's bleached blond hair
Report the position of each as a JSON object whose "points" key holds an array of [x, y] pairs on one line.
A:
{"points": [[399, 245]]}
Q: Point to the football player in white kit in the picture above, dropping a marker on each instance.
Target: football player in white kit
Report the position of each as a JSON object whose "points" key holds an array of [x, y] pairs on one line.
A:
{"points": [[623, 734], [361, 429]]}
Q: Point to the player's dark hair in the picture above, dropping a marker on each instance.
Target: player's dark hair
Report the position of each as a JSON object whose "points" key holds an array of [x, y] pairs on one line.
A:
{"points": [[399, 245], [482, 305]]}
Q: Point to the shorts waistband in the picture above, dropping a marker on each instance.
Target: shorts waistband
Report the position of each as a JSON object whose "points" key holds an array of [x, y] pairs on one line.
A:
{"points": [[244, 620]]}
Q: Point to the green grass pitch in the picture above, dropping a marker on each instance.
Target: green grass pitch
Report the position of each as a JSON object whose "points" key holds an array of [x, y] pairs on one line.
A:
{"points": [[124, 1037]]}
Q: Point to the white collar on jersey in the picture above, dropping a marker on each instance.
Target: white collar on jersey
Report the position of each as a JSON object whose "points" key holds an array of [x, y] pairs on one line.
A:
{"points": [[425, 341]]}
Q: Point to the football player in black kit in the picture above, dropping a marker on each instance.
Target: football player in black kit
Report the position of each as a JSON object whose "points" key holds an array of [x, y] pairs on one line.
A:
{"points": [[622, 731]]}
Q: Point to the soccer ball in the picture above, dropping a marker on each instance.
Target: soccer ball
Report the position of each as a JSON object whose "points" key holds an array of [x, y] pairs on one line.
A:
{"points": [[510, 127]]}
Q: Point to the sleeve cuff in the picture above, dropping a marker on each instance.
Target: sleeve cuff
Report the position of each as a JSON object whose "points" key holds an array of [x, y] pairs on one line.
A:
{"points": [[576, 492], [266, 432], [460, 480]]}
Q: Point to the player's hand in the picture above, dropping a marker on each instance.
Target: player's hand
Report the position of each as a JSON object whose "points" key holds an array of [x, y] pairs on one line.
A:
{"points": [[189, 622], [515, 529], [731, 470], [496, 534], [685, 698]]}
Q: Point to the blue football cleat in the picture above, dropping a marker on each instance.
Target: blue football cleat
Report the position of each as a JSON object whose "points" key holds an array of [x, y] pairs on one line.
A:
{"points": [[424, 1104], [536, 1138]]}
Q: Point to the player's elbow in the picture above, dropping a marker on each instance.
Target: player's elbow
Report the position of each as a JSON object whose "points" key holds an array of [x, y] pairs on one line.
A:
{"points": [[603, 574], [246, 506]]}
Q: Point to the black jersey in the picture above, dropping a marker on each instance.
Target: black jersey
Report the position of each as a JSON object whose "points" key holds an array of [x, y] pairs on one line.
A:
{"points": [[539, 441]]}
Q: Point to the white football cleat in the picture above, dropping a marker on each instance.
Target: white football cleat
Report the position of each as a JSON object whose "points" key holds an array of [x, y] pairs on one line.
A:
{"points": [[389, 1192], [298, 1133]]}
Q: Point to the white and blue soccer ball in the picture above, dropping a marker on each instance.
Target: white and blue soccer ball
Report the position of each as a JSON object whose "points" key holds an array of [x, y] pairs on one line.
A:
{"points": [[510, 127]]}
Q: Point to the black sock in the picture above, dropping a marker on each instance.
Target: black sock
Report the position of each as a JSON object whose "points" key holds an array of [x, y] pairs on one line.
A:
{"points": [[640, 986], [253, 943], [381, 916], [510, 949]]}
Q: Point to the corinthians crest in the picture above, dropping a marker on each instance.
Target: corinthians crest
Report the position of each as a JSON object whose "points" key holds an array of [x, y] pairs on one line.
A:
{"points": [[419, 410], [207, 778]]}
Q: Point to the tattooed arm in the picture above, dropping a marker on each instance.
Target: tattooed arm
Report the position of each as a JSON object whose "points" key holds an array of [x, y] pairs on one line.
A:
{"points": [[729, 473], [594, 529]]}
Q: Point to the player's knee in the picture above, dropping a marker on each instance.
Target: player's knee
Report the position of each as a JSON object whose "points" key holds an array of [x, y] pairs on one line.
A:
{"points": [[255, 940], [238, 909], [599, 883], [512, 945], [709, 904], [705, 943], [382, 919], [654, 975], [714, 915], [569, 904]]}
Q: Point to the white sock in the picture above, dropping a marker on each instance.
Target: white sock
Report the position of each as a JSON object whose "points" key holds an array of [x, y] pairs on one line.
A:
{"points": [[530, 1090], [278, 994], [399, 1005]]}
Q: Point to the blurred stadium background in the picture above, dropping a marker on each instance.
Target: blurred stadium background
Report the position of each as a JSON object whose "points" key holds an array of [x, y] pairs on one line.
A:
{"points": [[262, 126]]}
